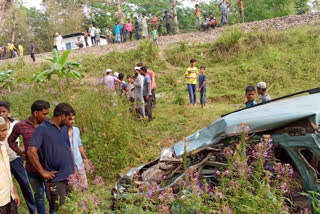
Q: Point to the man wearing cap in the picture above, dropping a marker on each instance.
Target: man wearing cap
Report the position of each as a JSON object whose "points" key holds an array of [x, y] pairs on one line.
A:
{"points": [[109, 81], [262, 91], [138, 92]]}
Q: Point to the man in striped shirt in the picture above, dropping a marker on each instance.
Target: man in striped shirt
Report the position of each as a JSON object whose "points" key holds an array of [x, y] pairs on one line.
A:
{"points": [[9, 198]]}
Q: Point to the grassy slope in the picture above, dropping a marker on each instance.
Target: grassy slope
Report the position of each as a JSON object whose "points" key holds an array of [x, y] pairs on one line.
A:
{"points": [[115, 141]]}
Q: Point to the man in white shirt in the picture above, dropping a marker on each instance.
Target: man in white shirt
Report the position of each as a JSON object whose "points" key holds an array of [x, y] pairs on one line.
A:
{"points": [[138, 92], [92, 32], [9, 198], [59, 44]]}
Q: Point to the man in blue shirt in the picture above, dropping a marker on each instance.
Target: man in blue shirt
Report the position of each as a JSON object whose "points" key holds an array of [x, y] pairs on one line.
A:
{"points": [[55, 160], [147, 85], [136, 26]]}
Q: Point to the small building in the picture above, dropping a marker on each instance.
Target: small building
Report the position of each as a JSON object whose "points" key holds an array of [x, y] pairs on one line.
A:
{"points": [[70, 41]]}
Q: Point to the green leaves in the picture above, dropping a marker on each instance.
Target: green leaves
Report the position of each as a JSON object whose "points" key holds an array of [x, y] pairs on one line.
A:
{"points": [[60, 67], [7, 80]]}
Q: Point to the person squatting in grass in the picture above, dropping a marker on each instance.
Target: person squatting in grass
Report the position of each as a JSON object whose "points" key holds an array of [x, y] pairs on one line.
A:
{"points": [[203, 87], [191, 75], [262, 91], [25, 128], [48, 140], [9, 198], [250, 95], [16, 162]]}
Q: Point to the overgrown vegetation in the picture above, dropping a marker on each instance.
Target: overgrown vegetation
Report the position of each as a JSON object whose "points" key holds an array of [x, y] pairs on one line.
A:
{"points": [[115, 141]]}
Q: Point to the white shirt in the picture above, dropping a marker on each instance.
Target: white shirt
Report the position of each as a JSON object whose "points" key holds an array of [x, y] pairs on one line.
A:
{"points": [[92, 31], [12, 154], [6, 184], [59, 43], [144, 21]]}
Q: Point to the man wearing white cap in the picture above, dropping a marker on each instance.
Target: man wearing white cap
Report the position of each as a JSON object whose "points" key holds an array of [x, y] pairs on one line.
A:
{"points": [[138, 92], [109, 81], [262, 91]]}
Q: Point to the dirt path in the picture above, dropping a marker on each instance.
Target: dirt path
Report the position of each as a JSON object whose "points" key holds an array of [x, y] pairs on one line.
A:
{"points": [[276, 24]]}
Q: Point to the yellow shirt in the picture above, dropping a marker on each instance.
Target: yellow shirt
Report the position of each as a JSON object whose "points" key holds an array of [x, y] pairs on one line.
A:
{"points": [[20, 49], [10, 47], [192, 74], [198, 12], [6, 184]]}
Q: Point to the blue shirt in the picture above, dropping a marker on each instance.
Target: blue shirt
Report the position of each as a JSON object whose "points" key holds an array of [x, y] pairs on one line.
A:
{"points": [[117, 29], [252, 103], [54, 149], [202, 78], [75, 144], [146, 80]]}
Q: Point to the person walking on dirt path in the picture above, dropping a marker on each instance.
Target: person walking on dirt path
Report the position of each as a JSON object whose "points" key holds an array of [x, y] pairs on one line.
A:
{"points": [[138, 92], [167, 17], [98, 34], [11, 49], [197, 13], [160, 20], [144, 22], [117, 31], [241, 14], [86, 35], [92, 32], [50, 143], [129, 28], [191, 76], [262, 91], [224, 5], [32, 51], [25, 129], [136, 27]]}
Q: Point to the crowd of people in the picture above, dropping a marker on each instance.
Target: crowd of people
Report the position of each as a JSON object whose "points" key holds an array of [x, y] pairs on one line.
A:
{"points": [[140, 88], [45, 173], [14, 50]]}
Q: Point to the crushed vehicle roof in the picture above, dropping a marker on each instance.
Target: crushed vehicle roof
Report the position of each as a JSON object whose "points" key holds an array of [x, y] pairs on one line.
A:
{"points": [[260, 118]]}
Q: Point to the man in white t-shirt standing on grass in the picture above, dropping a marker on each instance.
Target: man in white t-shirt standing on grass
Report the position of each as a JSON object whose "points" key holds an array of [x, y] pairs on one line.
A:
{"points": [[92, 32]]}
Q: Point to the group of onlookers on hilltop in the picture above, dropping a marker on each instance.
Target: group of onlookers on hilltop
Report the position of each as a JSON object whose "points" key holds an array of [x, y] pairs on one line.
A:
{"points": [[15, 50], [139, 89], [44, 173]]}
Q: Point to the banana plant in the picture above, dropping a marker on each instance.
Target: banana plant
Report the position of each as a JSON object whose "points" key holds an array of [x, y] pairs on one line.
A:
{"points": [[7, 80], [60, 67]]}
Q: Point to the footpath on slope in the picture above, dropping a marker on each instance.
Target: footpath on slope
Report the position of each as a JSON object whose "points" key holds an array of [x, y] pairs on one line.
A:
{"points": [[276, 24]]}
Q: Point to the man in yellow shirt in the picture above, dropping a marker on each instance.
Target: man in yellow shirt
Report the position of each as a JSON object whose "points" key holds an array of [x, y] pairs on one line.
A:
{"points": [[20, 47], [11, 49], [191, 76], [197, 13]]}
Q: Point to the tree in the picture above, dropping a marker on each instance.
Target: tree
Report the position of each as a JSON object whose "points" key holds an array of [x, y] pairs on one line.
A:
{"points": [[5, 6], [175, 16], [302, 6]]}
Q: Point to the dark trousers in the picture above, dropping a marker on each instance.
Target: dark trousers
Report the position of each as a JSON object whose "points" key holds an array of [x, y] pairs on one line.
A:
{"points": [[38, 185], [86, 41], [203, 97], [93, 40], [58, 192], [10, 208], [160, 30], [124, 35], [204, 27], [192, 93], [137, 34], [148, 107], [20, 174], [33, 57], [130, 35], [12, 54], [154, 101], [168, 26]]}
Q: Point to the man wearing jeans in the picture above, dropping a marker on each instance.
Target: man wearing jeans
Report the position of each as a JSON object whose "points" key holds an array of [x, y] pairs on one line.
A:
{"points": [[25, 128], [50, 154], [191, 76]]}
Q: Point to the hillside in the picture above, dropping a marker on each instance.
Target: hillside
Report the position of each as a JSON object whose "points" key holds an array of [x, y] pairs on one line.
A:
{"points": [[286, 57], [275, 24]]}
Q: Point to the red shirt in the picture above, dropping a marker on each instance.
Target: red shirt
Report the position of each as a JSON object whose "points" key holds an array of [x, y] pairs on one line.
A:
{"points": [[153, 79], [24, 128]]}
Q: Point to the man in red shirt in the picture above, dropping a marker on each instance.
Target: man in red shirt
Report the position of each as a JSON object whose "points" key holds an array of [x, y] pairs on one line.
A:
{"points": [[25, 128]]}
